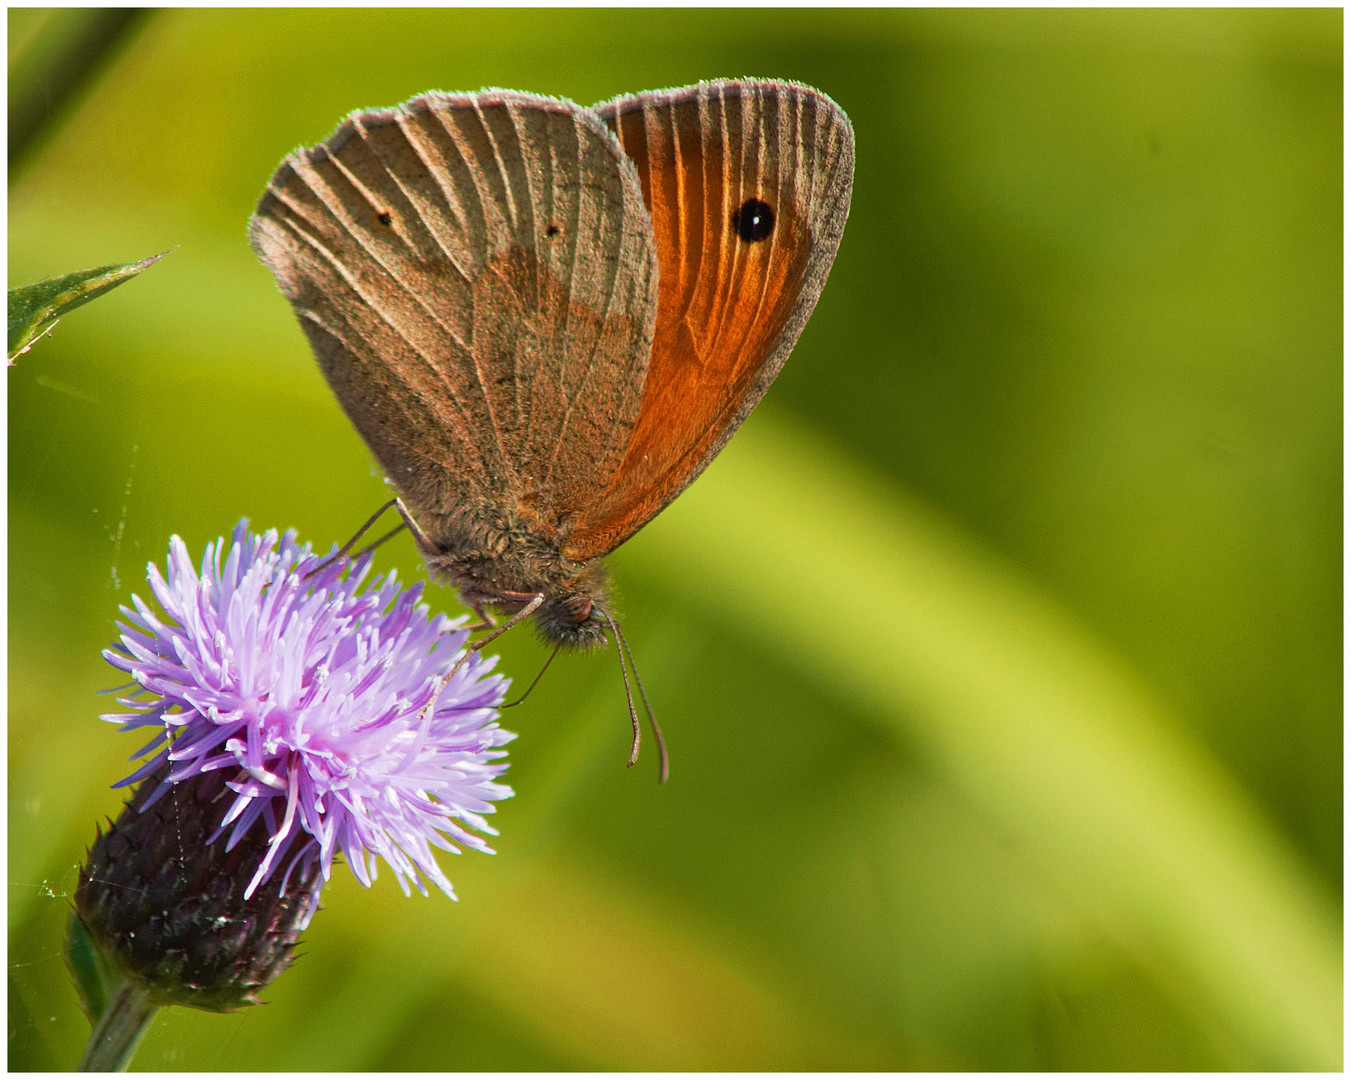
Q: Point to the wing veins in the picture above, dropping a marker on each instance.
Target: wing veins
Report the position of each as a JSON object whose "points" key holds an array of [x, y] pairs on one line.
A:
{"points": [[373, 255], [440, 186], [612, 268], [335, 263], [473, 352]]}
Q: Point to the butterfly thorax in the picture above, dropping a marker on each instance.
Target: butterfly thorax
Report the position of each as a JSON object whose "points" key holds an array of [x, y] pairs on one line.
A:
{"points": [[504, 569]]}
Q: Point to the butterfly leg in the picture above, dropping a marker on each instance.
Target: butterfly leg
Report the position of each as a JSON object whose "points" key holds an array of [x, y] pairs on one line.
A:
{"points": [[357, 536], [423, 540], [408, 522], [474, 646], [535, 599], [486, 619]]}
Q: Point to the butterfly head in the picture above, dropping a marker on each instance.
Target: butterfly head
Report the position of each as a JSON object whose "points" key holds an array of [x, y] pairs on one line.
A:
{"points": [[577, 615]]}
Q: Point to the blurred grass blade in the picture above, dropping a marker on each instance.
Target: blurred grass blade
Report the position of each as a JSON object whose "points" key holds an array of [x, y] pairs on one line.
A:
{"points": [[1039, 724], [62, 53], [34, 309]]}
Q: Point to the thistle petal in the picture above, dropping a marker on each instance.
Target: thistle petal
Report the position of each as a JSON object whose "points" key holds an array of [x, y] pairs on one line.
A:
{"points": [[320, 702]]}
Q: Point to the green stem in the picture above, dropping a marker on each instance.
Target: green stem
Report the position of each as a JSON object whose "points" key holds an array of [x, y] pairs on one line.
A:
{"points": [[119, 1030]]}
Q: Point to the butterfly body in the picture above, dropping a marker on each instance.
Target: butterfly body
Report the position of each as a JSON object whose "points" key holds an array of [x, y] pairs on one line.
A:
{"points": [[546, 320], [504, 568]]}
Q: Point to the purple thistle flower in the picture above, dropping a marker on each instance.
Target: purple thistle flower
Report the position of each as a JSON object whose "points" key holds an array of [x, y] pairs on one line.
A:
{"points": [[327, 704]]}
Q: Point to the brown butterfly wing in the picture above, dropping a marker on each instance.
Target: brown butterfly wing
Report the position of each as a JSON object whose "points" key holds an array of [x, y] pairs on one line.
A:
{"points": [[729, 310], [477, 278]]}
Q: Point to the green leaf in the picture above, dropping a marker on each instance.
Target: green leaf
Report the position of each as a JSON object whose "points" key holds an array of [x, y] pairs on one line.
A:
{"points": [[95, 980], [34, 309]]}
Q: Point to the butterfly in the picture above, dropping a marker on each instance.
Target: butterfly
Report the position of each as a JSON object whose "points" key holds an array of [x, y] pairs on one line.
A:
{"points": [[546, 320]]}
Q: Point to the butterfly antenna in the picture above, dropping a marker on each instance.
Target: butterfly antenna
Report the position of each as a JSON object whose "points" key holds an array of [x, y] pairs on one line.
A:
{"points": [[624, 646], [628, 693], [359, 534], [533, 683]]}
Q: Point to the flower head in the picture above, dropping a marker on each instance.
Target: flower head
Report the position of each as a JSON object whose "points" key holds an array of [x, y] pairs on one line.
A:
{"points": [[345, 720]]}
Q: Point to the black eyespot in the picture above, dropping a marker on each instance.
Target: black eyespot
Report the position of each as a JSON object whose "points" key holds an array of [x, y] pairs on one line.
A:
{"points": [[552, 230], [385, 217], [753, 220]]}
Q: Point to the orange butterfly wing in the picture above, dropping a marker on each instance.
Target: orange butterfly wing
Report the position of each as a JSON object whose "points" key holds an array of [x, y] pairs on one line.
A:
{"points": [[736, 284]]}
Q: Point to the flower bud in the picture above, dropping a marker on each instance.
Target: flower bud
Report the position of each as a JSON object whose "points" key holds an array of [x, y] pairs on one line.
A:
{"points": [[164, 903]]}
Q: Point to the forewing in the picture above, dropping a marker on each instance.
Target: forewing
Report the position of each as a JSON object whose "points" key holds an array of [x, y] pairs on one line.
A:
{"points": [[729, 309], [477, 278]]}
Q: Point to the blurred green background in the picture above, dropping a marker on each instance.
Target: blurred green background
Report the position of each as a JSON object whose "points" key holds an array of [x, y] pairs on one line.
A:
{"points": [[999, 654]]}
